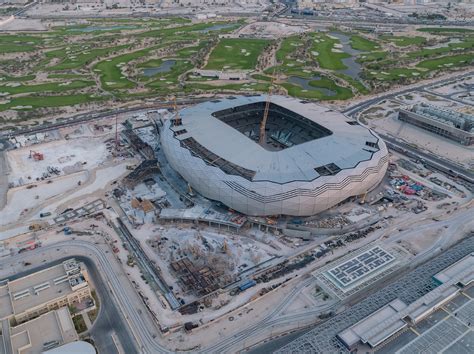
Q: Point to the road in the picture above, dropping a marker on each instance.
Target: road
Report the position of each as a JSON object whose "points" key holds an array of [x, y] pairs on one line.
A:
{"points": [[3, 179], [353, 110], [7, 342], [86, 117], [438, 163], [108, 321], [115, 288], [432, 160]]}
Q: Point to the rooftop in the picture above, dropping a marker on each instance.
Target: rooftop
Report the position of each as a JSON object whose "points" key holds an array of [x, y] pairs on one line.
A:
{"points": [[79, 347], [464, 264], [39, 288], [393, 317], [42, 333], [304, 140], [375, 328], [23, 294]]}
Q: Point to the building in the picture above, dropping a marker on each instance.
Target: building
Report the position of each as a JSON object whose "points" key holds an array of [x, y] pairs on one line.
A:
{"points": [[50, 289], [78, 347], [311, 158], [447, 123], [222, 75], [391, 319], [43, 333]]}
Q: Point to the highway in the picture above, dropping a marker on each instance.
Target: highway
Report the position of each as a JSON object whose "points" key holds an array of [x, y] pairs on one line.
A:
{"points": [[353, 110], [429, 159], [86, 117]]}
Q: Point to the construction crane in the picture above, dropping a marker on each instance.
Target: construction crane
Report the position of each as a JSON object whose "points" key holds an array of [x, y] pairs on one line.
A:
{"points": [[362, 201], [37, 156], [263, 124], [177, 119]]}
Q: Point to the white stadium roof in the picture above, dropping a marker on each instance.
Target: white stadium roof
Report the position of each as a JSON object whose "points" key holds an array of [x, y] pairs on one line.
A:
{"points": [[345, 147]]}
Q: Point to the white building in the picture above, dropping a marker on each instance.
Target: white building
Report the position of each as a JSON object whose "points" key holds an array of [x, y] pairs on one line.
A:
{"points": [[312, 159]]}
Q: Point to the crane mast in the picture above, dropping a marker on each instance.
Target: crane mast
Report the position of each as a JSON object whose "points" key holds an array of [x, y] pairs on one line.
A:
{"points": [[177, 119], [263, 124]]}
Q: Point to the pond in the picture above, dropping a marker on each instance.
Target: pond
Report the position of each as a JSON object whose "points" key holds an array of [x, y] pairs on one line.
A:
{"points": [[353, 68], [165, 67], [304, 84], [216, 27]]}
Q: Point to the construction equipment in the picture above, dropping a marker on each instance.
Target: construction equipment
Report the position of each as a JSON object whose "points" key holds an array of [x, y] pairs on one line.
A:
{"points": [[263, 124], [190, 191], [177, 119], [37, 226], [37, 156], [362, 201]]}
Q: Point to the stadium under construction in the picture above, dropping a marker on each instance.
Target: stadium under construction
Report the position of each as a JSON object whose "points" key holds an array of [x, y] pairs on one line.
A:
{"points": [[306, 158]]}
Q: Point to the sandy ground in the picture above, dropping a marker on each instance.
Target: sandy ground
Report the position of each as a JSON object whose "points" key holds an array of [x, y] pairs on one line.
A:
{"points": [[21, 199], [59, 154], [270, 29], [426, 140], [20, 24]]}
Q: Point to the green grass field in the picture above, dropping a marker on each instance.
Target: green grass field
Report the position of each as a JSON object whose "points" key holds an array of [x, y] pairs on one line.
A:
{"points": [[46, 101], [80, 57], [236, 54], [19, 43], [403, 41], [325, 52], [49, 87], [363, 44], [467, 44], [447, 62], [110, 70], [62, 66]]}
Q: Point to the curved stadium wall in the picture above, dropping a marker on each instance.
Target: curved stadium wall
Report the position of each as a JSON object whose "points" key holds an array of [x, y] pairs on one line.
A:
{"points": [[240, 189]]}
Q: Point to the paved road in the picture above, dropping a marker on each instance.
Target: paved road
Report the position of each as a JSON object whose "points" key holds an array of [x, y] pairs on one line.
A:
{"points": [[445, 166], [85, 117], [3, 179], [142, 334], [108, 320], [353, 110], [7, 343]]}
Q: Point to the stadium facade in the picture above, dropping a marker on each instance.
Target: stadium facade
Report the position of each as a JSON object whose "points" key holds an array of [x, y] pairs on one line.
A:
{"points": [[312, 158]]}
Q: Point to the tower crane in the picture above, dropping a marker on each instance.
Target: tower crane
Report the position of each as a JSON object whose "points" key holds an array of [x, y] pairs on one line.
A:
{"points": [[263, 124]]}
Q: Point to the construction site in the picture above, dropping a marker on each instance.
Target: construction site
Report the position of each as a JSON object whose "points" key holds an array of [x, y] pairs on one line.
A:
{"points": [[195, 259]]}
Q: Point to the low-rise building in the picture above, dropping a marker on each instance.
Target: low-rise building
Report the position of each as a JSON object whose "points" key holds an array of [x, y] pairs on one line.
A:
{"points": [[50, 289], [447, 123], [43, 333], [391, 319]]}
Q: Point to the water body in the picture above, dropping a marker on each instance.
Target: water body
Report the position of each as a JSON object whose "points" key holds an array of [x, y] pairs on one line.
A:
{"points": [[353, 68], [304, 84], [98, 28], [163, 68], [215, 28]]}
